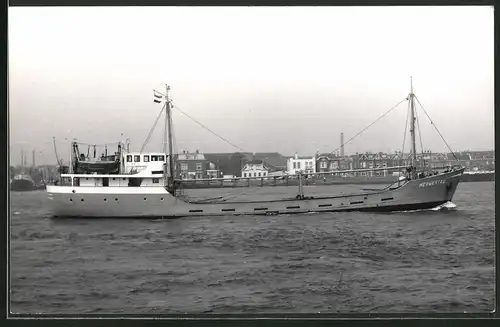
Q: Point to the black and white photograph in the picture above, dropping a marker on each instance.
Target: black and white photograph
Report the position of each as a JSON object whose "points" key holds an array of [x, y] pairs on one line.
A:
{"points": [[251, 160]]}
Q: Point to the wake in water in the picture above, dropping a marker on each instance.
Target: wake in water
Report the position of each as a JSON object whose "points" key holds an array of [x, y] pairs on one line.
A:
{"points": [[445, 207], [448, 206]]}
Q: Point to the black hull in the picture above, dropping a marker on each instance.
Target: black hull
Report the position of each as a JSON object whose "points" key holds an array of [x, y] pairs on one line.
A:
{"points": [[403, 207], [385, 209]]}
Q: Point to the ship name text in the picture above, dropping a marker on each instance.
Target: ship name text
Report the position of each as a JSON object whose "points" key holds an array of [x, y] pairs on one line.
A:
{"points": [[436, 182]]}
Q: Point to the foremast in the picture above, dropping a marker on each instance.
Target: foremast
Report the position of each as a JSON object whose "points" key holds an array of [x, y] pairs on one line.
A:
{"points": [[411, 99], [168, 123]]}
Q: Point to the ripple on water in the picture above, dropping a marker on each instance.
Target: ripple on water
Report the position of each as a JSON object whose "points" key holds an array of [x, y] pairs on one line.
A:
{"points": [[342, 262]]}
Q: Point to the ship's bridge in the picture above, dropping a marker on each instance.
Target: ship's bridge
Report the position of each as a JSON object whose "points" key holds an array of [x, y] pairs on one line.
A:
{"points": [[143, 163]]}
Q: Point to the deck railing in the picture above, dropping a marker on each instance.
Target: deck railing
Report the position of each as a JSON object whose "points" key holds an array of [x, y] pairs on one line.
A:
{"points": [[319, 178]]}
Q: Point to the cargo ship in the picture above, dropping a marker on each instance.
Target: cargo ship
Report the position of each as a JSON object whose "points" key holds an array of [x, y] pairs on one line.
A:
{"points": [[144, 185], [22, 183]]}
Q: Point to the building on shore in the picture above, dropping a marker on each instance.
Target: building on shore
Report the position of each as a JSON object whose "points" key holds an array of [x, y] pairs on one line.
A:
{"points": [[298, 164], [326, 162], [195, 166], [255, 168]]}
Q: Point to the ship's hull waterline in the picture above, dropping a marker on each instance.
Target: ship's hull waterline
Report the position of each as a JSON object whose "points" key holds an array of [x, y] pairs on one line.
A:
{"points": [[156, 202]]}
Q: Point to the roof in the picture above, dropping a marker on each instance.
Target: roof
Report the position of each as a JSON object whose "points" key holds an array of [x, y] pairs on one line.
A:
{"points": [[302, 158], [255, 162], [482, 154], [459, 156], [273, 159], [190, 156], [328, 155]]}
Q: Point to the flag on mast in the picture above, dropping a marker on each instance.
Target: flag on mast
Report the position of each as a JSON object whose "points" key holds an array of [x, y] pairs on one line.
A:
{"points": [[157, 97]]}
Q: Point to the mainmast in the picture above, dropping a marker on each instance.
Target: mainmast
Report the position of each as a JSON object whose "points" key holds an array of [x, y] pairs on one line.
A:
{"points": [[412, 125], [166, 127], [168, 136]]}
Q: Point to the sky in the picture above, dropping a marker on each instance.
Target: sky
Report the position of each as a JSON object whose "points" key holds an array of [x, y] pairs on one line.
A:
{"points": [[268, 79]]}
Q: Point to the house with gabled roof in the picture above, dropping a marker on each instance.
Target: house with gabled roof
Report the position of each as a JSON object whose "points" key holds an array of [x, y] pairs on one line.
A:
{"points": [[473, 160], [326, 162], [255, 168], [191, 165], [228, 163]]}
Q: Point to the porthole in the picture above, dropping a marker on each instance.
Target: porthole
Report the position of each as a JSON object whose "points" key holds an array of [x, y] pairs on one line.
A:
{"points": [[161, 199], [114, 178], [116, 199], [81, 200], [105, 199], [86, 178], [144, 199], [124, 179], [70, 200]]}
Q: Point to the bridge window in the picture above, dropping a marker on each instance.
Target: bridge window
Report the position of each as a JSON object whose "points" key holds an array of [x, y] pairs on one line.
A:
{"points": [[156, 180], [154, 158], [161, 158], [137, 158], [146, 158], [129, 158]]}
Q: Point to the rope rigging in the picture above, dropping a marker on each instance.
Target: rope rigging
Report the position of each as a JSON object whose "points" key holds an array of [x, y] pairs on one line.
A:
{"points": [[437, 130], [99, 145], [174, 141], [152, 129], [420, 135], [404, 135], [208, 129], [364, 129]]}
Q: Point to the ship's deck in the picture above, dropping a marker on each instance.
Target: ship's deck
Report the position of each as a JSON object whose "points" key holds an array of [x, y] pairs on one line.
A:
{"points": [[226, 195]]}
